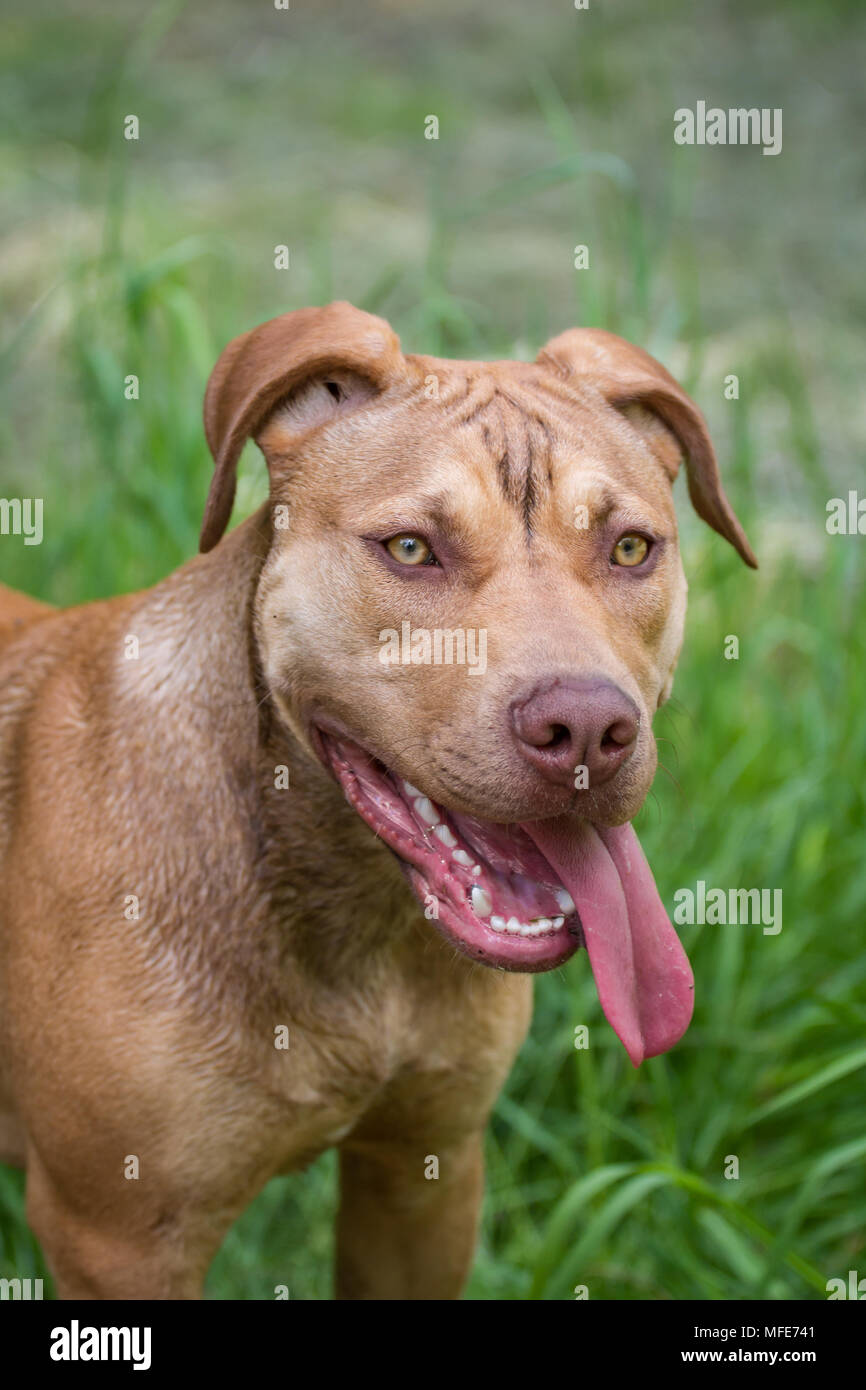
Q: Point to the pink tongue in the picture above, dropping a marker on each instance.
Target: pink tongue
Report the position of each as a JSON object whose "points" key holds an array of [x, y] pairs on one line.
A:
{"points": [[643, 977]]}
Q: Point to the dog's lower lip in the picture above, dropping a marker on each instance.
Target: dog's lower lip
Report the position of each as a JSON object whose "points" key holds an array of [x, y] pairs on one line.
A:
{"points": [[484, 885]]}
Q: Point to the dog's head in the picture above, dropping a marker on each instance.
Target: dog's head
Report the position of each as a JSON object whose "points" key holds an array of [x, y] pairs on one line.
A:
{"points": [[472, 606]]}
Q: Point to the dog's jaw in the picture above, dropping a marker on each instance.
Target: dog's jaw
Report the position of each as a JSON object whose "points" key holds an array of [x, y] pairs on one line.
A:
{"points": [[484, 885], [525, 897]]}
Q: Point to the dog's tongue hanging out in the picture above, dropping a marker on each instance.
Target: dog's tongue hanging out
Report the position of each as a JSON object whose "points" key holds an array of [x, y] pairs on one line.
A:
{"points": [[644, 980], [522, 897]]}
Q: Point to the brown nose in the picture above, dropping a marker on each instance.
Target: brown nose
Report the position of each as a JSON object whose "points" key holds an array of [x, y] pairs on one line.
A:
{"points": [[567, 724]]}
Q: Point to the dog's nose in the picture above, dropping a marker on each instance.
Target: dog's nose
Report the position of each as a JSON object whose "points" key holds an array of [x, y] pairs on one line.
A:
{"points": [[569, 724]]}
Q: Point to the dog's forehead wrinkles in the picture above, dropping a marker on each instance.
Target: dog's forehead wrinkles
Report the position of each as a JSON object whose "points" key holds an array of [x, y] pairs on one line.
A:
{"points": [[517, 440], [465, 395], [534, 434]]}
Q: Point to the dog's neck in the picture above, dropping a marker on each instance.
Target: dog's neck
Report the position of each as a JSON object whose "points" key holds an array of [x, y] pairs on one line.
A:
{"points": [[290, 824]]}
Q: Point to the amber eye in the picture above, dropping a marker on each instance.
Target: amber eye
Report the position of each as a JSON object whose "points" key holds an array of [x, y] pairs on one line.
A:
{"points": [[630, 550], [409, 550]]}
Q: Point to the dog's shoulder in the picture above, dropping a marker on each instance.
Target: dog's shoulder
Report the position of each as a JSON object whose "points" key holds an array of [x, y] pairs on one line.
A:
{"points": [[17, 612]]}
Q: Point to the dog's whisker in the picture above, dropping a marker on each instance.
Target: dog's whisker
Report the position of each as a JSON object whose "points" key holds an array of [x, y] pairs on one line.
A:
{"points": [[673, 779]]}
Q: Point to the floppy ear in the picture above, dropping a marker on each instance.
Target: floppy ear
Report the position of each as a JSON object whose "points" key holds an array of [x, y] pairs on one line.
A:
{"points": [[626, 376], [352, 354]]}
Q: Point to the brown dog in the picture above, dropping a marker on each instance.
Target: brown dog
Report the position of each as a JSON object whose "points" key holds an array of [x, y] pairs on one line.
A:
{"points": [[433, 656]]}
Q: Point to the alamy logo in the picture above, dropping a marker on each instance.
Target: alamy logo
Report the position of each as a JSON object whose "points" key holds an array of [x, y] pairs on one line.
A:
{"points": [[440, 647], [22, 516], [77, 1343], [855, 1288], [20, 1288], [736, 907], [846, 516], [739, 126]]}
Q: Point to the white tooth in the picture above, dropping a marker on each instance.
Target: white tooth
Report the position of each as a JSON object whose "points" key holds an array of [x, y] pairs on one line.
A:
{"points": [[512, 926], [541, 923], [476, 868], [424, 809], [565, 900], [528, 929], [558, 922], [412, 791], [443, 833], [482, 903], [497, 923], [463, 858]]}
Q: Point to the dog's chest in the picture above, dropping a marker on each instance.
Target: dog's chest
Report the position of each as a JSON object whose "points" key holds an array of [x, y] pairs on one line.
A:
{"points": [[399, 1056]]}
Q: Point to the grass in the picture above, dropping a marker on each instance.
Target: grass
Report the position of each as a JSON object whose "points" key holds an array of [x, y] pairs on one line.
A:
{"points": [[146, 261]]}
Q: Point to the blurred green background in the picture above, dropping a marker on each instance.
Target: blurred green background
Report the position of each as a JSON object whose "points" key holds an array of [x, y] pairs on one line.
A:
{"points": [[261, 127]]}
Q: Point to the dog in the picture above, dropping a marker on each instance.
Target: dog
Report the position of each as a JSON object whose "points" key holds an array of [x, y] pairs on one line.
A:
{"points": [[272, 883]]}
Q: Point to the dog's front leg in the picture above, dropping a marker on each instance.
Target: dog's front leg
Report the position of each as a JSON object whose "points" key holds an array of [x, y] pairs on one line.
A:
{"points": [[123, 1246], [408, 1218]]}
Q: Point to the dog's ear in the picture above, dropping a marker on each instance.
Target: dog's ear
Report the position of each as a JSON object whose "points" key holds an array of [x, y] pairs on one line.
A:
{"points": [[338, 356], [634, 383]]}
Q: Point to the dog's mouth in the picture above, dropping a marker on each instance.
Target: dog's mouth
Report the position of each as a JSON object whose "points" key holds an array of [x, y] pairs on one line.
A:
{"points": [[525, 897]]}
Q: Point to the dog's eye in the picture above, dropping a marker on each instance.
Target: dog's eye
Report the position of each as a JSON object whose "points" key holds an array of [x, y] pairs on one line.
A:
{"points": [[630, 550], [410, 550]]}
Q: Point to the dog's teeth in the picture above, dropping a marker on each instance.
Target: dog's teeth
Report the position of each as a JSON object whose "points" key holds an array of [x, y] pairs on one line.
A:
{"points": [[476, 868], [482, 903], [539, 926], [425, 809], [463, 858], [565, 901], [411, 791], [443, 833]]}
